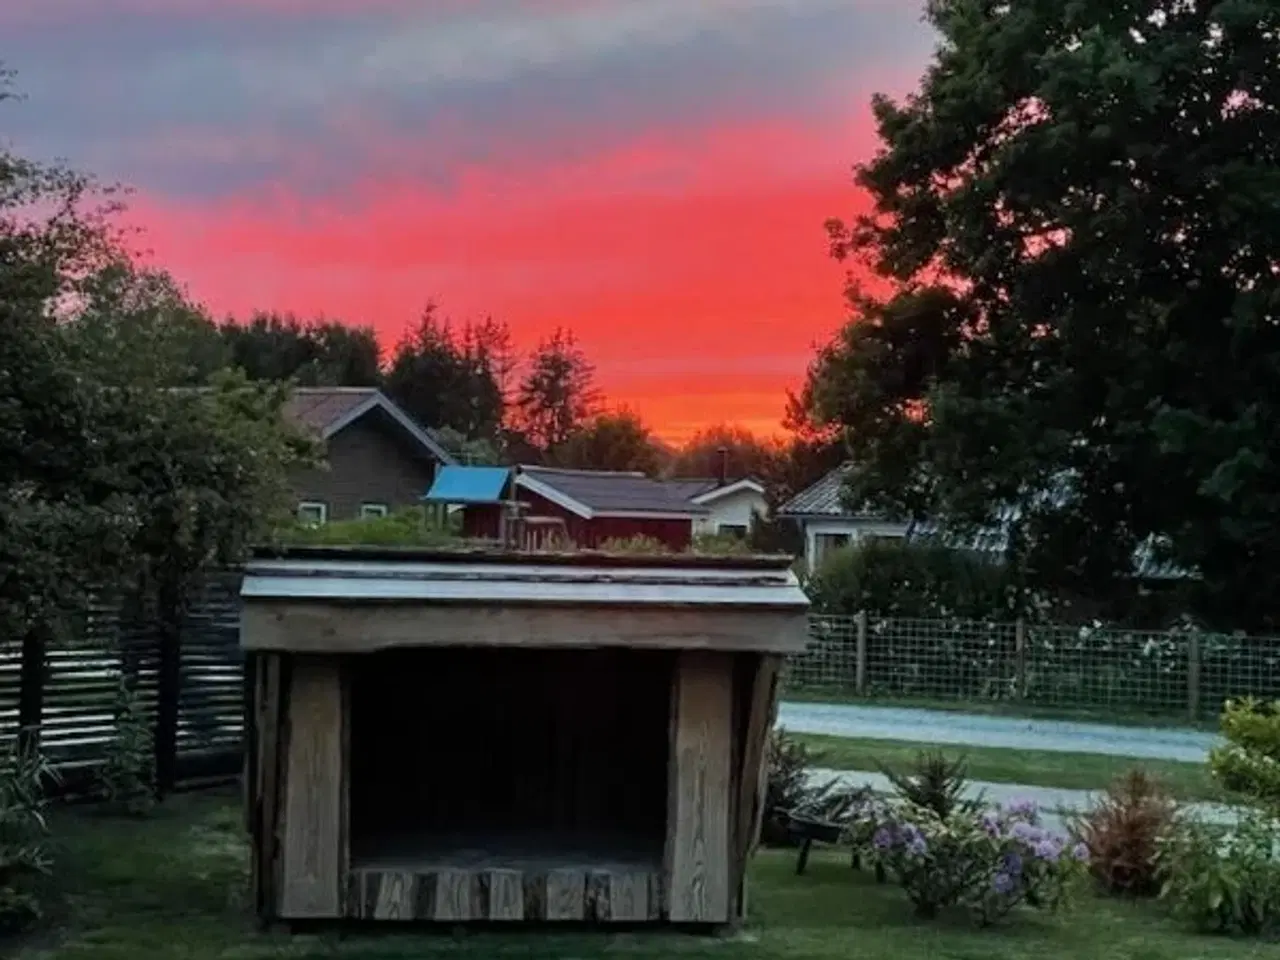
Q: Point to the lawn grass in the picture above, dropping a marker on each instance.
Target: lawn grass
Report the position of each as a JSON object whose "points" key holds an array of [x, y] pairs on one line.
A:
{"points": [[1033, 768], [1112, 715], [174, 888]]}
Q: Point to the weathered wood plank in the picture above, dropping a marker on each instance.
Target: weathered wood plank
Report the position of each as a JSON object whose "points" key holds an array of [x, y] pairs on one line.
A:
{"points": [[455, 891], [629, 897], [313, 627], [313, 879], [266, 777], [506, 895], [566, 895], [396, 896], [698, 853]]}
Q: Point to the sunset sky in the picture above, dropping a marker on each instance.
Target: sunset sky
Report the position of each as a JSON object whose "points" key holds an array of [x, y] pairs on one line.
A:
{"points": [[653, 174]]}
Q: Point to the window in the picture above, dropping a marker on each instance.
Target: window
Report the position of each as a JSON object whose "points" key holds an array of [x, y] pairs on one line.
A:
{"points": [[371, 511], [738, 530], [313, 512]]}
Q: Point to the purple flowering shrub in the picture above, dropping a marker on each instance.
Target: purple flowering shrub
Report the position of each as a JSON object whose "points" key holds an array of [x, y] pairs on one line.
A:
{"points": [[984, 861]]}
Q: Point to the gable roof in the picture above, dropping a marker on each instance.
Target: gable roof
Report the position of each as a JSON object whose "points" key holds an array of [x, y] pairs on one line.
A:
{"points": [[704, 490], [327, 410], [822, 499], [607, 493]]}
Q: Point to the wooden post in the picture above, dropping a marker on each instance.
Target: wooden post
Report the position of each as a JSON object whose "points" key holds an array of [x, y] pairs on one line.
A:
{"points": [[1020, 659], [1193, 676], [860, 654]]}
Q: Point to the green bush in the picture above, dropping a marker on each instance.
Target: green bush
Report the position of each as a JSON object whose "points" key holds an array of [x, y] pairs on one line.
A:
{"points": [[25, 845], [409, 527], [895, 579], [637, 544], [127, 776], [1224, 879], [1248, 764], [725, 544]]}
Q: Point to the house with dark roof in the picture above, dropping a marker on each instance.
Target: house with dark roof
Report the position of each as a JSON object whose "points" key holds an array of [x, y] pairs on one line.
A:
{"points": [[585, 507], [732, 505], [829, 524], [378, 458]]}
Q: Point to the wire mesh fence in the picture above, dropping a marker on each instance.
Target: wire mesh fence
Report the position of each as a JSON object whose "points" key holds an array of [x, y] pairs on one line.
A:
{"points": [[1054, 667]]}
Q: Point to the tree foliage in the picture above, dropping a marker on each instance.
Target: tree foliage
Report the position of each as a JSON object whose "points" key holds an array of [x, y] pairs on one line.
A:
{"points": [[128, 456], [313, 353], [913, 580], [445, 376], [557, 394], [1077, 217], [618, 440]]}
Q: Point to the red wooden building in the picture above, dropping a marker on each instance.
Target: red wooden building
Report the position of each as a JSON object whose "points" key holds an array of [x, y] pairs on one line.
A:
{"points": [[588, 507]]}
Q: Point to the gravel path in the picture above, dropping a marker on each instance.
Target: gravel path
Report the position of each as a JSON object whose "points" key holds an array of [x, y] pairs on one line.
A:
{"points": [[943, 726]]}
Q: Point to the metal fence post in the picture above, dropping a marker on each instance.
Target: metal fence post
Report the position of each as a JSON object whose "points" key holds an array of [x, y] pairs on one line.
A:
{"points": [[1020, 659], [31, 683], [860, 654], [1193, 675]]}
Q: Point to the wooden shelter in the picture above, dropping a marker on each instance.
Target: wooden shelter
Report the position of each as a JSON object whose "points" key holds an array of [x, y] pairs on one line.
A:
{"points": [[493, 736]]}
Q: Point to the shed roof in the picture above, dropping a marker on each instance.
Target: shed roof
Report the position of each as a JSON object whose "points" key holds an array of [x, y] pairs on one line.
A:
{"points": [[494, 582], [607, 493], [455, 484]]}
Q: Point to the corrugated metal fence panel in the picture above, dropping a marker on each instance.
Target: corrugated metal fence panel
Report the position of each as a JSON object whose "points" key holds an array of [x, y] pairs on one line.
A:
{"points": [[211, 698], [85, 672]]}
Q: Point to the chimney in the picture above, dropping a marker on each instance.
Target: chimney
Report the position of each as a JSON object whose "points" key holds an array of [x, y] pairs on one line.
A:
{"points": [[722, 466]]}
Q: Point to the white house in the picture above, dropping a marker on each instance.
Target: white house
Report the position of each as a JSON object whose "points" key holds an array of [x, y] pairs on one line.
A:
{"points": [[731, 504], [828, 525]]}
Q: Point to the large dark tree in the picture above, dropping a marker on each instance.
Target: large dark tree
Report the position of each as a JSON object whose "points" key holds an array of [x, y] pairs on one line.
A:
{"points": [[448, 377], [557, 395], [1079, 216]]}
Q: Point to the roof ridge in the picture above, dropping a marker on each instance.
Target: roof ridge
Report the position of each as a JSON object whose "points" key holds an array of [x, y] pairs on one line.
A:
{"points": [[585, 471], [344, 389]]}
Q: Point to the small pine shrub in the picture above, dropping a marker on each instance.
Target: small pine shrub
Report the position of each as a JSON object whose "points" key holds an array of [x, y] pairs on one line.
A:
{"points": [[127, 775], [26, 857], [1123, 834], [935, 783], [788, 785]]}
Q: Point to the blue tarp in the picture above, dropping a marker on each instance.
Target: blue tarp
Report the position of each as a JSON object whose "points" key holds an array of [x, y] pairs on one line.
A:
{"points": [[468, 485]]}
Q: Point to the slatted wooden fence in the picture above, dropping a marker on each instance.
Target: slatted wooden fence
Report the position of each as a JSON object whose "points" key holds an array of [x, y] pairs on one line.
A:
{"points": [[197, 710]]}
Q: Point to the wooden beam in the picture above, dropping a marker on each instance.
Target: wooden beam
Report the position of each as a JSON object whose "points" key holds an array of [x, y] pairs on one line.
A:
{"points": [[315, 834], [697, 862], [752, 780], [335, 628]]}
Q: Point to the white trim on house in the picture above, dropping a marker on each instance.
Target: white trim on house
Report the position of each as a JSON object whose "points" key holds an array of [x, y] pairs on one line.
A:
{"points": [[715, 493], [380, 401], [855, 528], [548, 492], [318, 507], [370, 510]]}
